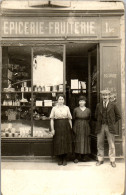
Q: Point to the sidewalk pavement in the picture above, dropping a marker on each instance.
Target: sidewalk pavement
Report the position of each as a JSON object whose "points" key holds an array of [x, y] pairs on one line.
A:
{"points": [[45, 177]]}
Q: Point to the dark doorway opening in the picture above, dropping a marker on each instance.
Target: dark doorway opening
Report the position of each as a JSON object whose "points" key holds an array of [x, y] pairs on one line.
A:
{"points": [[82, 77]]}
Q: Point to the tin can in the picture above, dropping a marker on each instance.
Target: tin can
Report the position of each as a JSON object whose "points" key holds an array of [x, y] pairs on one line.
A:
{"points": [[29, 89], [22, 89], [25, 84], [26, 89]]}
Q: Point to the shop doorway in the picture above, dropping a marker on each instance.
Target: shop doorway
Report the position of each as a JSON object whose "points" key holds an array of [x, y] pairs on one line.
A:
{"points": [[82, 76]]}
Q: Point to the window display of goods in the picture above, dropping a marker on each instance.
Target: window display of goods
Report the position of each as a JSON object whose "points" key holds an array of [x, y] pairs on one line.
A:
{"points": [[37, 133], [44, 133], [25, 131], [11, 114], [9, 131]]}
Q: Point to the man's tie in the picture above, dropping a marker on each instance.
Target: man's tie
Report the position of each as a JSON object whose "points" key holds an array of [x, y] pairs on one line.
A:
{"points": [[105, 106]]}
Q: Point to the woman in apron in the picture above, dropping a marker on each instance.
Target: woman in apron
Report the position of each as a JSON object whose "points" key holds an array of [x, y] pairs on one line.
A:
{"points": [[61, 126]]}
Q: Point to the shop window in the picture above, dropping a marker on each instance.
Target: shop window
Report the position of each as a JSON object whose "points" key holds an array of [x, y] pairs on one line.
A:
{"points": [[16, 92], [31, 80], [47, 83]]}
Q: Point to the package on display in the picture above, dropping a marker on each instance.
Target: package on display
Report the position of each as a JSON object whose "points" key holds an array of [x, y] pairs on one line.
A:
{"points": [[47, 88], [39, 103], [60, 87], [47, 102]]}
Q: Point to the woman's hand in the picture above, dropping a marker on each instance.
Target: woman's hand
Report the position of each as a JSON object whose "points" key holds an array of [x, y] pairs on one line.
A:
{"points": [[53, 132], [70, 122]]}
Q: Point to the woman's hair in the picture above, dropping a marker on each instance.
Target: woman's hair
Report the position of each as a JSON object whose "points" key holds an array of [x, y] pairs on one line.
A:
{"points": [[82, 97], [60, 95]]}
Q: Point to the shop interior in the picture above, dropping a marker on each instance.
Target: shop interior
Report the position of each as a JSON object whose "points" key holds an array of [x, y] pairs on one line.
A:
{"points": [[33, 77], [81, 74]]}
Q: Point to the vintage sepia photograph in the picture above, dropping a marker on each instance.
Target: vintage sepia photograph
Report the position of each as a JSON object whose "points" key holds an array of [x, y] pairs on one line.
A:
{"points": [[62, 86]]}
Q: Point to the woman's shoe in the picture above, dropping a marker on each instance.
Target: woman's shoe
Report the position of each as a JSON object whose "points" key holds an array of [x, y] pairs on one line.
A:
{"points": [[84, 158], [60, 161], [76, 160], [99, 163], [64, 162]]}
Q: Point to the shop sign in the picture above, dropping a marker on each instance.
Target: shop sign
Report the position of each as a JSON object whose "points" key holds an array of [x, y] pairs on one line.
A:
{"points": [[49, 27], [60, 27]]}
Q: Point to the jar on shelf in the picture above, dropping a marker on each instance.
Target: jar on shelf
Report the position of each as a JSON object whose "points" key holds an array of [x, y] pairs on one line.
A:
{"points": [[39, 89], [29, 89], [43, 88], [36, 89]]}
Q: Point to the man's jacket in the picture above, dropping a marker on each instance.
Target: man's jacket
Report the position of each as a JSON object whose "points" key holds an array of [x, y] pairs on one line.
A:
{"points": [[113, 115]]}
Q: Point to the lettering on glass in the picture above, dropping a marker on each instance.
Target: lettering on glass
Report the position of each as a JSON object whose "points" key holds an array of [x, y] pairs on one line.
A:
{"points": [[110, 75], [110, 81]]}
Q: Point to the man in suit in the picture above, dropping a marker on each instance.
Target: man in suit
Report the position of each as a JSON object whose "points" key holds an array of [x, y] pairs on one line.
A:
{"points": [[107, 114]]}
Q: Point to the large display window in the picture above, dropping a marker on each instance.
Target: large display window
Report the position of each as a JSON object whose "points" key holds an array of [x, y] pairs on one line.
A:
{"points": [[31, 79]]}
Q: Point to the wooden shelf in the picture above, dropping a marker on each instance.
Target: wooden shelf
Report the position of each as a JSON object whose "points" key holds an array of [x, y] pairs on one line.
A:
{"points": [[44, 106], [48, 92], [14, 106], [16, 92], [47, 119], [33, 92]]}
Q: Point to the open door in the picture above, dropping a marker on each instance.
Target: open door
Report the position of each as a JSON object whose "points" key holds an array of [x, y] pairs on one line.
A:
{"points": [[93, 90], [93, 78]]}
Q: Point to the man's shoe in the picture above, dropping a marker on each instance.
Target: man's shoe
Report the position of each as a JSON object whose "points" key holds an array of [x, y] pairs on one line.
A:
{"points": [[76, 160], [60, 162], [113, 164], [99, 163]]}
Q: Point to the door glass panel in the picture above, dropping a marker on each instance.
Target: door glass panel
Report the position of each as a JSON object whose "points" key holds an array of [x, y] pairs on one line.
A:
{"points": [[16, 92], [47, 83]]}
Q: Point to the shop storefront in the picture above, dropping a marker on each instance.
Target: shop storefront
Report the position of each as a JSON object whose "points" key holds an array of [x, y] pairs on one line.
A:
{"points": [[51, 50]]}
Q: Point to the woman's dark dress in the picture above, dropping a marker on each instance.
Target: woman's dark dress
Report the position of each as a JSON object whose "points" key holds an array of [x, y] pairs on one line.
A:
{"points": [[62, 140], [81, 130]]}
